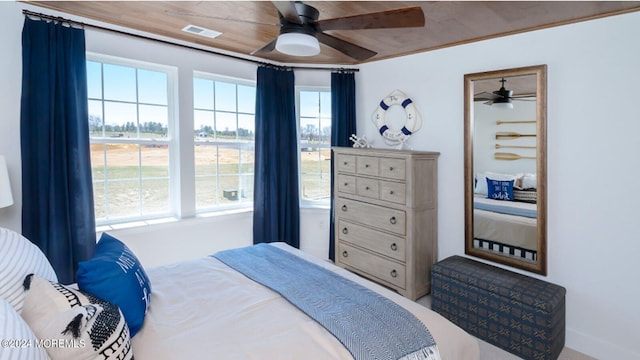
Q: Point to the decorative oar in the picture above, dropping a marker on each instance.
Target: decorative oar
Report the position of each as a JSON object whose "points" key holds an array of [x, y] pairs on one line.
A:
{"points": [[511, 156], [499, 122], [498, 146], [511, 135]]}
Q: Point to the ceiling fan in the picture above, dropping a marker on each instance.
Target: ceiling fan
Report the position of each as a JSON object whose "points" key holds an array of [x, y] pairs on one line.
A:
{"points": [[301, 31], [502, 97]]}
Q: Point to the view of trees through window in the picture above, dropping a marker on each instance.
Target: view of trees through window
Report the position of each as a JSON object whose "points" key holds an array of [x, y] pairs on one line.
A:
{"points": [[148, 129]]}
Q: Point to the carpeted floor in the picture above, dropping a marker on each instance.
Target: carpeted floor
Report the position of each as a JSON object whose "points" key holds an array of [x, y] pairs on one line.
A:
{"points": [[490, 352]]}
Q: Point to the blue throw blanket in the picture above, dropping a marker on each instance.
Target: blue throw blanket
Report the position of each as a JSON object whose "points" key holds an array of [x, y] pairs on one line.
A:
{"points": [[369, 325]]}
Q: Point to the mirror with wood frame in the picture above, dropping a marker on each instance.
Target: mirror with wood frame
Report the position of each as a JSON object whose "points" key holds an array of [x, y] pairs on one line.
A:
{"points": [[505, 167]]}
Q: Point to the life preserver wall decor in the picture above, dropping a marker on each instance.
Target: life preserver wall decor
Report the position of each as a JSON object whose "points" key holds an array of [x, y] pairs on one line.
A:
{"points": [[412, 124]]}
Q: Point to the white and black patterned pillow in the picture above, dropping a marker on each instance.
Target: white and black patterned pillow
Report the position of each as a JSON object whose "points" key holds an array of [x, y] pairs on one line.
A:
{"points": [[526, 195], [19, 257], [79, 325], [19, 342]]}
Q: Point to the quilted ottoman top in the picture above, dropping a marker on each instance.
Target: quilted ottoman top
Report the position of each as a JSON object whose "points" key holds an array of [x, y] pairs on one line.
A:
{"points": [[539, 294]]}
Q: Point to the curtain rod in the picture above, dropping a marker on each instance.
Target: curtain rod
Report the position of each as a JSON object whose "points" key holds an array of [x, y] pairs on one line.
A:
{"points": [[98, 27]]}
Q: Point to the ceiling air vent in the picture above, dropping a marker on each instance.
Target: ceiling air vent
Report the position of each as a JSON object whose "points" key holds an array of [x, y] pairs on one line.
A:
{"points": [[194, 29]]}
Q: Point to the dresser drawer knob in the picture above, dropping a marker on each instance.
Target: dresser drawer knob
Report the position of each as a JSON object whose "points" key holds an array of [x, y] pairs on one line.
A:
{"points": [[390, 192], [394, 247], [346, 184], [366, 188], [393, 220], [390, 168], [394, 273], [344, 207], [366, 165], [345, 163], [345, 253], [345, 231]]}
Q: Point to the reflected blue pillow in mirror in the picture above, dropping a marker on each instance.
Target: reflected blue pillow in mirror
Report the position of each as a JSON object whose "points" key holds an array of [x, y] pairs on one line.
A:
{"points": [[500, 189]]}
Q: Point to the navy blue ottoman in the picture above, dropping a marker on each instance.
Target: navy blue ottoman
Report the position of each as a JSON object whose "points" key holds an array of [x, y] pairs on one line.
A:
{"points": [[520, 314]]}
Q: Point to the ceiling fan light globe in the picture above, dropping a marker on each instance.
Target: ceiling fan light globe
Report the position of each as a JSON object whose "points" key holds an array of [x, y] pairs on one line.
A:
{"points": [[297, 44], [507, 105]]}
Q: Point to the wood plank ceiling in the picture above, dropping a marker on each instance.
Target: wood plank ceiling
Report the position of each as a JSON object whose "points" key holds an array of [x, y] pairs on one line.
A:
{"points": [[248, 25]]}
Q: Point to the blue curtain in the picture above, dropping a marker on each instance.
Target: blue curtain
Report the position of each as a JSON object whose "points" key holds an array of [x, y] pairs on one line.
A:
{"points": [[343, 124], [276, 213], [57, 195]]}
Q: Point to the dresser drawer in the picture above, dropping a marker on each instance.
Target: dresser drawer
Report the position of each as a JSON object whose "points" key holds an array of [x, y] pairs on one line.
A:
{"points": [[393, 168], [369, 264], [347, 184], [373, 240], [367, 187], [367, 165], [372, 215], [346, 163], [393, 191]]}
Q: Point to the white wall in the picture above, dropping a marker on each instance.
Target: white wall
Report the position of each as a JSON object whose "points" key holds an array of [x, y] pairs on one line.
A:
{"points": [[593, 166], [197, 237], [593, 124], [484, 141]]}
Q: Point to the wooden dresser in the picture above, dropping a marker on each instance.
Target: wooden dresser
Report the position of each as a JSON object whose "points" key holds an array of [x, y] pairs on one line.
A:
{"points": [[386, 216]]}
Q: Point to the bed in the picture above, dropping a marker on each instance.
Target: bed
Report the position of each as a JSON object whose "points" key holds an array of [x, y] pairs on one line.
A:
{"points": [[509, 227], [205, 309]]}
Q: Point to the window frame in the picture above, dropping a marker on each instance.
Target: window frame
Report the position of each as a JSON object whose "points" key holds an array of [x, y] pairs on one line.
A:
{"points": [[171, 140], [241, 145], [305, 203]]}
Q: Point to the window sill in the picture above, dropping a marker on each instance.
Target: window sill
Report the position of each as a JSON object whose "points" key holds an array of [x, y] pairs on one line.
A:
{"points": [[137, 223], [314, 207]]}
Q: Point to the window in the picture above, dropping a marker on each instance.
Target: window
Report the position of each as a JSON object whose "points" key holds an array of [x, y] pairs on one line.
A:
{"points": [[134, 145], [314, 117], [224, 127], [130, 119]]}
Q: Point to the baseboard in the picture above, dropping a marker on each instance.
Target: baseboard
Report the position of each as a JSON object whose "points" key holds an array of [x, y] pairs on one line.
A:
{"points": [[597, 348]]}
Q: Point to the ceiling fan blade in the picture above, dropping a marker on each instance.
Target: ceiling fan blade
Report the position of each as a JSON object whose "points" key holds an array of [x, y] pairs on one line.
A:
{"points": [[485, 96], [288, 11], [352, 50], [515, 96], [398, 18], [266, 49]]}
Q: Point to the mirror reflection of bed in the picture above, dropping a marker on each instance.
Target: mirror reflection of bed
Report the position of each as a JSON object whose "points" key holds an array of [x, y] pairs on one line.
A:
{"points": [[505, 166], [497, 229], [505, 223]]}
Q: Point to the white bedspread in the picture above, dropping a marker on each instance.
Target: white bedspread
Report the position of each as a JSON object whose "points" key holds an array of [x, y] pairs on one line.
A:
{"points": [[202, 309]]}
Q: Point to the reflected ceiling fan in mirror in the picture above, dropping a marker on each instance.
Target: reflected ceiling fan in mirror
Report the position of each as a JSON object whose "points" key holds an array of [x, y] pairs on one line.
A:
{"points": [[301, 32], [502, 98]]}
